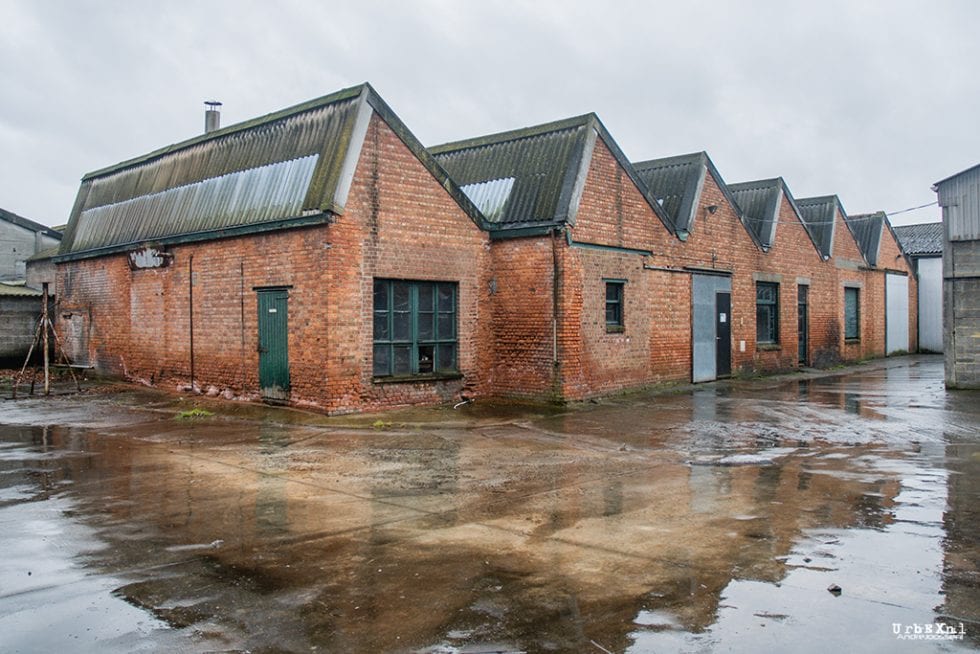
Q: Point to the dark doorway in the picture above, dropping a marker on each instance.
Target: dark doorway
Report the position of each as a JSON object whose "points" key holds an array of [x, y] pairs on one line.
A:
{"points": [[723, 334], [802, 319]]}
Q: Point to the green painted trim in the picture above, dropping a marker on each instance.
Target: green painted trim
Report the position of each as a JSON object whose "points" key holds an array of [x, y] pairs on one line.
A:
{"points": [[521, 232], [610, 248], [196, 237]]}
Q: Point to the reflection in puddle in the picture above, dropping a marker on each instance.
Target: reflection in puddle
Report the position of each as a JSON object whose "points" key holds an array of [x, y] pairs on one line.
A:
{"points": [[688, 522]]}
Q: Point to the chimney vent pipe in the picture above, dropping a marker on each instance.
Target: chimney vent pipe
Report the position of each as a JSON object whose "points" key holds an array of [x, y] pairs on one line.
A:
{"points": [[212, 116]]}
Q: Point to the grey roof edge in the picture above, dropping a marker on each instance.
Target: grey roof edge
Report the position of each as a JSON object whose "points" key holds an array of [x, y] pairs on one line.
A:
{"points": [[888, 224], [784, 188], [727, 193], [424, 155], [512, 135], [946, 179], [343, 94], [799, 216], [720, 182], [850, 220], [838, 206], [368, 96], [29, 224], [632, 174], [578, 165], [692, 185]]}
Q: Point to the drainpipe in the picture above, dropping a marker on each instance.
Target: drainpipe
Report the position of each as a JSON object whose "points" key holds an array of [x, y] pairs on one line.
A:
{"points": [[190, 302], [555, 283]]}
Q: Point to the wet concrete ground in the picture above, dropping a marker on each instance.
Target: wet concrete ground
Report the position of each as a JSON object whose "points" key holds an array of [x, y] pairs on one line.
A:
{"points": [[709, 519]]}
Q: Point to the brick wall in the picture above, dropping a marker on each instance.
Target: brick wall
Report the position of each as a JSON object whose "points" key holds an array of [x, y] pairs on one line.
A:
{"points": [[399, 223]]}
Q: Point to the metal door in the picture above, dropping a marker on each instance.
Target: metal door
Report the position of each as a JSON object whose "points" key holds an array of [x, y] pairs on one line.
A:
{"points": [[802, 322], [705, 338], [896, 313], [273, 344], [723, 334]]}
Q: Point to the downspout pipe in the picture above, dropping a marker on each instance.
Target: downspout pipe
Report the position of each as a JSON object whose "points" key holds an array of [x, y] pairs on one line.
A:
{"points": [[555, 312], [190, 305]]}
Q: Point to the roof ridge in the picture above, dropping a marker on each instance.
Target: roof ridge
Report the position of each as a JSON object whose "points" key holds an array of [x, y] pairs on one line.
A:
{"points": [[514, 134], [316, 103], [671, 160]]}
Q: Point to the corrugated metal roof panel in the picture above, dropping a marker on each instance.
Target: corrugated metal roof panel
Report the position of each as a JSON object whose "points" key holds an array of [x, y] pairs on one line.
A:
{"points": [[820, 216], [866, 229], [256, 195], [18, 290], [919, 240], [491, 196], [759, 203], [268, 169], [538, 164], [675, 182]]}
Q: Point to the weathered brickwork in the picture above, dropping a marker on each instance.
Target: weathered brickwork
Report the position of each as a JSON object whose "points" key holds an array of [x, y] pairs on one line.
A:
{"points": [[399, 223], [531, 311]]}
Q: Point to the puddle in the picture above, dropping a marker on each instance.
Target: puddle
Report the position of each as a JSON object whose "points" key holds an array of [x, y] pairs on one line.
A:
{"points": [[711, 520]]}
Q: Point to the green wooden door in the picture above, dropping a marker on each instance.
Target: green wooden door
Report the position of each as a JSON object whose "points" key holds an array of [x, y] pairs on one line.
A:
{"points": [[274, 344]]}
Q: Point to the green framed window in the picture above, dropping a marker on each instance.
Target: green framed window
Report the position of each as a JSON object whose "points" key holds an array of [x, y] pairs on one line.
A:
{"points": [[852, 314], [766, 312], [414, 328], [614, 305]]}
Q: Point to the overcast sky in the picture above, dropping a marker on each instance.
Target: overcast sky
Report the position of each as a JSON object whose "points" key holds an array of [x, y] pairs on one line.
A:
{"points": [[873, 101]]}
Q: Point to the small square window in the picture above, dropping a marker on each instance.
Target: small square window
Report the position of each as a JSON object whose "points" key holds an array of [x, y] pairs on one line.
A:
{"points": [[614, 306]]}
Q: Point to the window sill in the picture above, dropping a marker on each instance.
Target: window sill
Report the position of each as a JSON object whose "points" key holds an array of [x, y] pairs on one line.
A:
{"points": [[768, 347], [615, 330], [414, 379], [852, 341]]}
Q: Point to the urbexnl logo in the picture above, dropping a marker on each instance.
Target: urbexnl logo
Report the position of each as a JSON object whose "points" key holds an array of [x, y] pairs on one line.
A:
{"points": [[930, 631]]}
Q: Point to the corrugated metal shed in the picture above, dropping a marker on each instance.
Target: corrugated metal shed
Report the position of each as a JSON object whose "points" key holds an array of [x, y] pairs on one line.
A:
{"points": [[820, 216], [867, 232], [532, 178], [289, 168], [959, 197], [925, 239], [676, 184]]}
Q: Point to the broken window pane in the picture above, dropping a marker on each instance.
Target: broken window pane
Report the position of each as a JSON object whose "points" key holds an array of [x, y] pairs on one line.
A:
{"points": [[426, 355]]}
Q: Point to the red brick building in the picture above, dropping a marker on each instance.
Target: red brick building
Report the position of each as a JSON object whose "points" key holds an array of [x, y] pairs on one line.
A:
{"points": [[317, 255], [321, 256]]}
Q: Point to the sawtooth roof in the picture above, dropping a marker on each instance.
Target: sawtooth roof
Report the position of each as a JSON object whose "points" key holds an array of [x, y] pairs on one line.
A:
{"points": [[867, 229], [289, 168], [530, 180], [759, 201], [920, 240], [820, 216], [676, 183]]}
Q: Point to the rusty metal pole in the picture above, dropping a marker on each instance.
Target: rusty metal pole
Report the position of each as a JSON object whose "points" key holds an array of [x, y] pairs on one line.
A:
{"points": [[44, 326]]}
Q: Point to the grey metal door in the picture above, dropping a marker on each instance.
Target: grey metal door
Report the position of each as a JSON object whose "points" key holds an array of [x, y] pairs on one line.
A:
{"points": [[705, 319], [274, 343]]}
